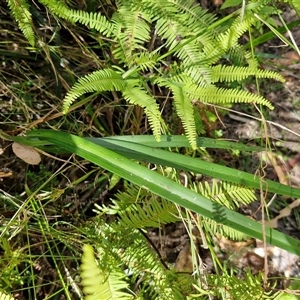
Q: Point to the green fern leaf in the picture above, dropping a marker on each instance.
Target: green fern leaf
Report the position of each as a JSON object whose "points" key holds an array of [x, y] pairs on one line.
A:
{"points": [[4, 296], [99, 286], [229, 286], [216, 95], [125, 248], [137, 209], [296, 5], [195, 17], [144, 60], [222, 73], [20, 9], [92, 20], [229, 39], [138, 96], [185, 111], [229, 195], [184, 108], [98, 81], [133, 30]]}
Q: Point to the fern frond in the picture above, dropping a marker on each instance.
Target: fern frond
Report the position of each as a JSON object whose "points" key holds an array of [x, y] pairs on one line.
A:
{"points": [[184, 109], [98, 81], [137, 209], [221, 73], [185, 112], [20, 10], [224, 42], [214, 228], [229, 195], [196, 17], [200, 75], [92, 20], [170, 31], [229, 39], [4, 296], [159, 9], [296, 5], [97, 285], [189, 53], [213, 94], [136, 256], [132, 31], [138, 96], [229, 286], [145, 60], [121, 247]]}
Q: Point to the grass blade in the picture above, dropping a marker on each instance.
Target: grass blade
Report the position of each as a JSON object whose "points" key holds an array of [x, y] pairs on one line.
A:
{"points": [[164, 187]]}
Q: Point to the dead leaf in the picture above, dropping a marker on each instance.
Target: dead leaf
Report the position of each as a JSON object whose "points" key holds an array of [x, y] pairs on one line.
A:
{"points": [[26, 153]]}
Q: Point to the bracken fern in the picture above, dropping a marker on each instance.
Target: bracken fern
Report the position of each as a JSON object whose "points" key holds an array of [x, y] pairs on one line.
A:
{"points": [[174, 44]]}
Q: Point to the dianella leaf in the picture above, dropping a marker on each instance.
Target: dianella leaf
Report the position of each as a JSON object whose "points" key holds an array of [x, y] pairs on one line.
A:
{"points": [[164, 187]]}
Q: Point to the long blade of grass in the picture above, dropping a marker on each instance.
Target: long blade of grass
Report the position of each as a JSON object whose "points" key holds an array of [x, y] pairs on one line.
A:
{"points": [[164, 187], [170, 141], [140, 152], [196, 165]]}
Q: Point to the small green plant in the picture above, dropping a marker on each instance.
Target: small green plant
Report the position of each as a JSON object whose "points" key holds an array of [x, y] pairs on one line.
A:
{"points": [[186, 62], [155, 48]]}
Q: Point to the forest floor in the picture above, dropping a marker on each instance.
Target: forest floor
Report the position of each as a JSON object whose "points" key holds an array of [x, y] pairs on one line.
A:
{"points": [[25, 87]]}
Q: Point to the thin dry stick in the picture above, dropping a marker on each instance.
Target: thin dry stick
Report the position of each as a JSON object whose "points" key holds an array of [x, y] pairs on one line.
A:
{"points": [[255, 118], [263, 201]]}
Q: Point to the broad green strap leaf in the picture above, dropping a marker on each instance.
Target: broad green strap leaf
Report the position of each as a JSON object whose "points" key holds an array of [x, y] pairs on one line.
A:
{"points": [[164, 187], [196, 165], [167, 141], [181, 141], [157, 156]]}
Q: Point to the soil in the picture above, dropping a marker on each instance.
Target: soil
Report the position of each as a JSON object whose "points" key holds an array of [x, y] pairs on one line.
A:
{"points": [[172, 240]]}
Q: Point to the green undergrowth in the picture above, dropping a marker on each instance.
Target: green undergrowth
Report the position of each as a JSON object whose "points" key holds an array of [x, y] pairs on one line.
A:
{"points": [[118, 99]]}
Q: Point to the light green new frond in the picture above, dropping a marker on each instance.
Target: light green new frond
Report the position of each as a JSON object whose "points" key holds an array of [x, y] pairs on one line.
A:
{"points": [[198, 75], [150, 212], [170, 31], [185, 111], [21, 12], [201, 75], [221, 73], [296, 5], [5, 296], [100, 286], [196, 17], [227, 194], [133, 30], [145, 60], [137, 208], [230, 38], [227, 41], [159, 9], [189, 53], [212, 52], [91, 20], [98, 81], [138, 96], [216, 95]]}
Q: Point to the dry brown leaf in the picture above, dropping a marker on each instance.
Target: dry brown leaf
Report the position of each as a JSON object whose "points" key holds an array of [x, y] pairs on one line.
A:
{"points": [[26, 153], [285, 212]]}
